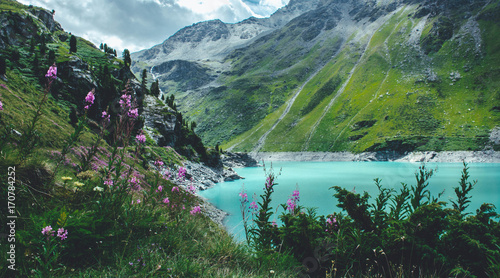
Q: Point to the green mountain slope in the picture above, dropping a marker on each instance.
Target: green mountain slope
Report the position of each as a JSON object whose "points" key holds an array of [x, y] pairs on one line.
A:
{"points": [[360, 76]]}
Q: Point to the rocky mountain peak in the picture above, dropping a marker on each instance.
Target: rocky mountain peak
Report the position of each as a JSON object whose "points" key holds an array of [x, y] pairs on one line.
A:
{"points": [[213, 30]]}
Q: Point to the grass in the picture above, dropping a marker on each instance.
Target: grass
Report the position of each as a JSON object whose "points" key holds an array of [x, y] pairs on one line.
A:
{"points": [[150, 241], [405, 105]]}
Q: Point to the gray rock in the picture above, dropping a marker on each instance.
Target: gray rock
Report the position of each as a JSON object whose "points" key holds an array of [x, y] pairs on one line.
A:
{"points": [[159, 121]]}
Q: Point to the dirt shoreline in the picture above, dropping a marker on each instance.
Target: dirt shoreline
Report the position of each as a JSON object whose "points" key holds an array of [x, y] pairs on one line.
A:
{"points": [[488, 156]]}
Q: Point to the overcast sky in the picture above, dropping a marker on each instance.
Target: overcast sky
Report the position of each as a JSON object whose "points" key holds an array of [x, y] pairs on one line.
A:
{"points": [[140, 24]]}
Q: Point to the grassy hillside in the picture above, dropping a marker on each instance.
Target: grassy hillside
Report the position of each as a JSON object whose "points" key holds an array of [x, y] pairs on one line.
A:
{"points": [[401, 88], [91, 197]]}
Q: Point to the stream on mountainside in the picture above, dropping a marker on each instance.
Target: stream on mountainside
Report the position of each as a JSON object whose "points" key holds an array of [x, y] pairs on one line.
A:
{"points": [[315, 178]]}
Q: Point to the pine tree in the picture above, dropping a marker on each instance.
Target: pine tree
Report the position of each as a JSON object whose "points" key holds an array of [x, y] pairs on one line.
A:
{"points": [[155, 89], [126, 58], [144, 77], [3, 65], [52, 57], [43, 46], [72, 44]]}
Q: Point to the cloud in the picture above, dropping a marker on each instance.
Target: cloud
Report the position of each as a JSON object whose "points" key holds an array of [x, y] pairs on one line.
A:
{"points": [[140, 24]]}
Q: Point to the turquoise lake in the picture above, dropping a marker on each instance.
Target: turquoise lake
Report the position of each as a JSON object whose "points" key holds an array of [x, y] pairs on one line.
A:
{"points": [[315, 178]]}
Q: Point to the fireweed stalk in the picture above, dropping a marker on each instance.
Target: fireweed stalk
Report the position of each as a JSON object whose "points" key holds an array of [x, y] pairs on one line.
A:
{"points": [[30, 136], [262, 234], [88, 155], [89, 100], [245, 209], [116, 190], [52, 243]]}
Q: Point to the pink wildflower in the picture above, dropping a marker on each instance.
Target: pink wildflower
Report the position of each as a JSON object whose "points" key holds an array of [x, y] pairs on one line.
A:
{"points": [[192, 189], [167, 175], [182, 173], [254, 206], [175, 188], [160, 189], [62, 233], [125, 101], [159, 163], [195, 210], [140, 139], [166, 200], [47, 231], [133, 113], [268, 182], [290, 205], [52, 72], [89, 99], [243, 197], [134, 183], [1, 106], [108, 182], [138, 201]]}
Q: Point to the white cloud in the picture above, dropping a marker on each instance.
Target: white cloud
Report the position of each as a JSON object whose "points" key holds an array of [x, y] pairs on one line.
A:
{"points": [[140, 24]]}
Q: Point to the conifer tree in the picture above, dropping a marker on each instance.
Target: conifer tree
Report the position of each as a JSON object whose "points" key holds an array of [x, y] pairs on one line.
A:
{"points": [[126, 58], [144, 77], [52, 57], [155, 88], [3, 66], [72, 44]]}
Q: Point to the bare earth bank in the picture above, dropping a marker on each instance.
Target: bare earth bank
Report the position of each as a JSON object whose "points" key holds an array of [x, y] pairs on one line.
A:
{"points": [[488, 156]]}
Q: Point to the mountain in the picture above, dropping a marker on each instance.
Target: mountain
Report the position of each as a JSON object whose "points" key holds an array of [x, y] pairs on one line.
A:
{"points": [[337, 75]]}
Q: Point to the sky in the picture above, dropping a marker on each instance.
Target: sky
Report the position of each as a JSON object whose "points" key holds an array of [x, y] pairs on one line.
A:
{"points": [[140, 24]]}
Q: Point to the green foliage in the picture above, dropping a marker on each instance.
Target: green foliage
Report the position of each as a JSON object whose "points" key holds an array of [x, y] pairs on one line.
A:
{"points": [[155, 88], [326, 90], [462, 192], [126, 56], [3, 65], [72, 44], [409, 234]]}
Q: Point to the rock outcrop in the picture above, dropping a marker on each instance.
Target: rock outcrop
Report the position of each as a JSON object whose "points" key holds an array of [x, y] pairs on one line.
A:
{"points": [[159, 121]]}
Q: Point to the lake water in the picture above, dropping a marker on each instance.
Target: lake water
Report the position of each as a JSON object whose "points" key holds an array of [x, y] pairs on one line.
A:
{"points": [[315, 178]]}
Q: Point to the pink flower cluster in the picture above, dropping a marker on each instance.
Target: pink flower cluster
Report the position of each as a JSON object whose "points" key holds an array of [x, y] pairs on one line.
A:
{"points": [[331, 223], [182, 173], [159, 163], [133, 113], [108, 182], [293, 200], [105, 115], [195, 210], [140, 138], [243, 196], [290, 205], [52, 72], [89, 99], [125, 101], [191, 189], [254, 207], [134, 183], [61, 232], [1, 106]]}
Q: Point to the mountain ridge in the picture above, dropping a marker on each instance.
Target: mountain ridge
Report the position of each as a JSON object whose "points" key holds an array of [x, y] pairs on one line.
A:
{"points": [[393, 56]]}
